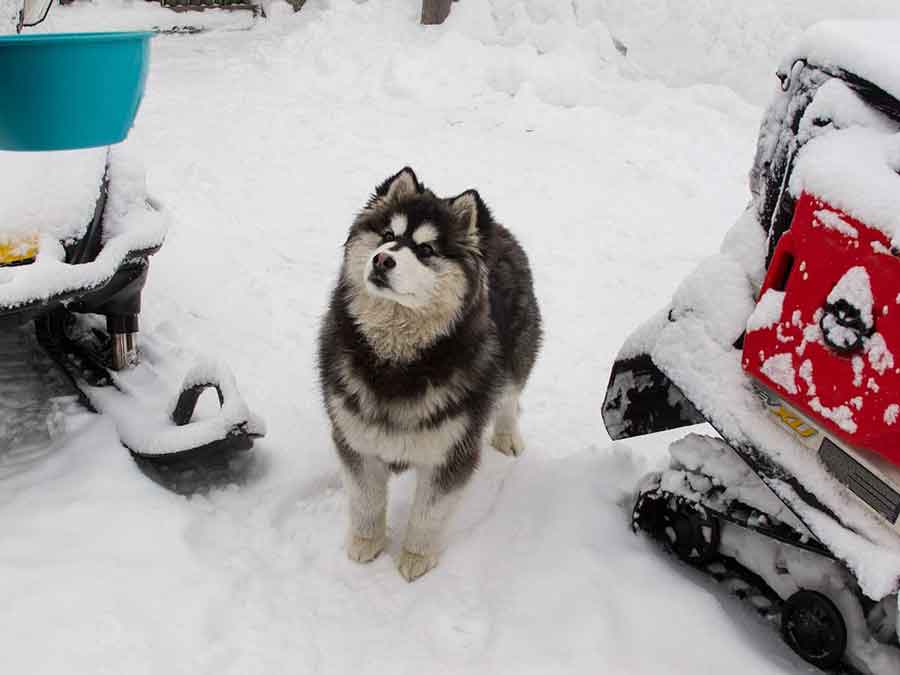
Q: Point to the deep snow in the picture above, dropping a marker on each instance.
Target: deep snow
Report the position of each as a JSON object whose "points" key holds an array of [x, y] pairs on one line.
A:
{"points": [[263, 144]]}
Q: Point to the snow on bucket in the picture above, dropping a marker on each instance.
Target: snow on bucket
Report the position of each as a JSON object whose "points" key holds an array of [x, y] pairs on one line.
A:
{"points": [[63, 91]]}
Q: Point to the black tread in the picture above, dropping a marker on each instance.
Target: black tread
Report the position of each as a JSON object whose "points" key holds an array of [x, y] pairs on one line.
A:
{"points": [[737, 579]]}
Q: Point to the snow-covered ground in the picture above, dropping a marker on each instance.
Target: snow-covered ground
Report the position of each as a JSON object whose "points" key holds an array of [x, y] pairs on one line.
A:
{"points": [[263, 144]]}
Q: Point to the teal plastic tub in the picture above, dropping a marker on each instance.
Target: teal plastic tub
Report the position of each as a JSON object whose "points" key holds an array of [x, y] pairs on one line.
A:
{"points": [[63, 91]]}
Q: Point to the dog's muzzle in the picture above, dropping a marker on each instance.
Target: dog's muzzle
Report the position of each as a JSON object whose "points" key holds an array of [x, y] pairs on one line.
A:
{"points": [[382, 263], [379, 279]]}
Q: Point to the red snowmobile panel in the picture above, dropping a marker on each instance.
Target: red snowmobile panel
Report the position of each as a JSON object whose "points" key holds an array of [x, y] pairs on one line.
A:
{"points": [[827, 324]]}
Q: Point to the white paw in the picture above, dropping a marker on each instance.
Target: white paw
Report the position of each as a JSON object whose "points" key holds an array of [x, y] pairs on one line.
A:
{"points": [[508, 442], [412, 565], [364, 549]]}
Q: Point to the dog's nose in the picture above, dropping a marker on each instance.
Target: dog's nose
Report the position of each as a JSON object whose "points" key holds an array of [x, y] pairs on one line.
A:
{"points": [[384, 262]]}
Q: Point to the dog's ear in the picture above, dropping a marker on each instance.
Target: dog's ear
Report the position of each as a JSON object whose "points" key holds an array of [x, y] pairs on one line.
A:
{"points": [[472, 212], [400, 185]]}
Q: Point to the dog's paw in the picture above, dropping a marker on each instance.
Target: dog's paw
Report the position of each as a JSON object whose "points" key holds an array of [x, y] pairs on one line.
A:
{"points": [[508, 442], [412, 565], [364, 549]]}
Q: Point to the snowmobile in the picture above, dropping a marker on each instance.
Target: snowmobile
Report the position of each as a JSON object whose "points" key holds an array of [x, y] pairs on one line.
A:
{"points": [[784, 344], [77, 232]]}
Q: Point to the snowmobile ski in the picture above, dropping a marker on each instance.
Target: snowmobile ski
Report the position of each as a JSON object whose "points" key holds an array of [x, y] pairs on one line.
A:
{"points": [[80, 288]]}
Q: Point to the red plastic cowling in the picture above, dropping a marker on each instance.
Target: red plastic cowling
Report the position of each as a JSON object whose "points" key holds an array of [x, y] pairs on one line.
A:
{"points": [[848, 380]]}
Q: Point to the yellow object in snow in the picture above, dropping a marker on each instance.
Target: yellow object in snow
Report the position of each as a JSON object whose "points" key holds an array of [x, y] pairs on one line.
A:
{"points": [[18, 250]]}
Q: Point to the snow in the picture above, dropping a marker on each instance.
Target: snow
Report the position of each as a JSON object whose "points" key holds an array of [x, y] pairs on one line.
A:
{"points": [[768, 310], [144, 399], [52, 192], [840, 415], [891, 413], [806, 374], [262, 144], [780, 369], [57, 200], [833, 221], [737, 44], [880, 357], [838, 104], [726, 320], [9, 16], [696, 455], [869, 49], [855, 170]]}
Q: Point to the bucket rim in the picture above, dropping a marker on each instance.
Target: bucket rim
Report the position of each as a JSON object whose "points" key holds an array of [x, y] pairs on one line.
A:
{"points": [[73, 38]]}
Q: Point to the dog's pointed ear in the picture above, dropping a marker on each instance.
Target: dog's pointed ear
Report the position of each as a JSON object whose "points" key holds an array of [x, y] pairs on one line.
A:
{"points": [[471, 211], [400, 185]]}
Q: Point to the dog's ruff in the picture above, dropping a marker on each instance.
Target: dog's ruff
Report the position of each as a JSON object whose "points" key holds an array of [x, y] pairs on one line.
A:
{"points": [[433, 328]]}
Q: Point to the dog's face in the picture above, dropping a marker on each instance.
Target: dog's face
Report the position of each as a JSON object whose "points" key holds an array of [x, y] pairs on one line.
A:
{"points": [[415, 249], [406, 264]]}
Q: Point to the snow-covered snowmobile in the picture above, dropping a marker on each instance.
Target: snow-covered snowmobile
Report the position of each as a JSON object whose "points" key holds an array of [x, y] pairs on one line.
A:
{"points": [[784, 343], [77, 230]]}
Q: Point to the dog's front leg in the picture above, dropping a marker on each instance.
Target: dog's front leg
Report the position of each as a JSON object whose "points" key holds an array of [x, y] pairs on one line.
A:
{"points": [[365, 480], [438, 490]]}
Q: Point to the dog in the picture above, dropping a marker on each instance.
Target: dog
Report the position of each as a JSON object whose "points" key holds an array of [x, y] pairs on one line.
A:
{"points": [[431, 333]]}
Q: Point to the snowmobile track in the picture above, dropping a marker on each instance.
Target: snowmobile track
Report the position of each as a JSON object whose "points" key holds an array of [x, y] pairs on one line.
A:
{"points": [[34, 400], [727, 572]]}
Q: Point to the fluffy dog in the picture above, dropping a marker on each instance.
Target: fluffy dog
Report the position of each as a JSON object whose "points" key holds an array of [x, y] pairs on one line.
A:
{"points": [[431, 333]]}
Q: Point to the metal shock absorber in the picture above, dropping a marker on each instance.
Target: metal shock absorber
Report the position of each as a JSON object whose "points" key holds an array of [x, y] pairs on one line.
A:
{"points": [[123, 332]]}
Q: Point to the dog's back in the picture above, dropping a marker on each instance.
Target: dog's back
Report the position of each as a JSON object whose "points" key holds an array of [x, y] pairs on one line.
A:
{"points": [[514, 308]]}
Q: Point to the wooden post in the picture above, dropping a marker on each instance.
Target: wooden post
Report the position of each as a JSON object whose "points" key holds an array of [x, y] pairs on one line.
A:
{"points": [[435, 11]]}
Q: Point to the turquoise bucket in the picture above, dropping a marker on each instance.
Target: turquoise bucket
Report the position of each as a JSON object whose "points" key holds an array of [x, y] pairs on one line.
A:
{"points": [[63, 91]]}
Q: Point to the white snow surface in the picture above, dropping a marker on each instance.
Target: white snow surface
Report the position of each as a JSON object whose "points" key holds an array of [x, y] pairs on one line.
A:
{"points": [[855, 170], [780, 370], [869, 49], [738, 44], [768, 310], [833, 221], [9, 16], [263, 144], [53, 193], [132, 221]]}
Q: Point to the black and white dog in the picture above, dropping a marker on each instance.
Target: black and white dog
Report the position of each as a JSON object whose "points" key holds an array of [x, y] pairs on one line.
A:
{"points": [[432, 331]]}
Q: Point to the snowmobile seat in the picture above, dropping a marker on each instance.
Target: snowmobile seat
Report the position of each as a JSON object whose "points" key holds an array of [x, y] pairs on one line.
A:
{"points": [[69, 235]]}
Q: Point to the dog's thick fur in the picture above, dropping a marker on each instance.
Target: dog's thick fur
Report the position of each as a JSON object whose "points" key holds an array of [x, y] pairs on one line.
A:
{"points": [[431, 333]]}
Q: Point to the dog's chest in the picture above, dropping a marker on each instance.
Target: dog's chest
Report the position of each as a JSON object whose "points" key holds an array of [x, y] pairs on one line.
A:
{"points": [[420, 424], [418, 444]]}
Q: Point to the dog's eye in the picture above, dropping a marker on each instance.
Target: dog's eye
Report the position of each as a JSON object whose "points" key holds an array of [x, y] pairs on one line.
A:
{"points": [[425, 251], [388, 235]]}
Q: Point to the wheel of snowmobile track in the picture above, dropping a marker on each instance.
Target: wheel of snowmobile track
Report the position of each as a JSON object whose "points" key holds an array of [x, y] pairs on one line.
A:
{"points": [[687, 528], [648, 514], [813, 627], [696, 532]]}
